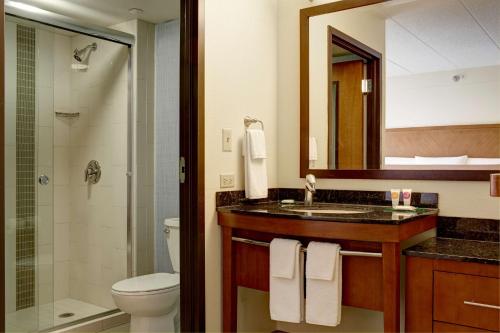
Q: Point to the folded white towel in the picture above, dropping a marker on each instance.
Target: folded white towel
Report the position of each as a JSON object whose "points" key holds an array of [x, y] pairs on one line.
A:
{"points": [[286, 299], [324, 284], [257, 143], [313, 149], [255, 170]]}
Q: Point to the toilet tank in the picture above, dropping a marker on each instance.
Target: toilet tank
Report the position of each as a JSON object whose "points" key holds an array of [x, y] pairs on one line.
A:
{"points": [[172, 236]]}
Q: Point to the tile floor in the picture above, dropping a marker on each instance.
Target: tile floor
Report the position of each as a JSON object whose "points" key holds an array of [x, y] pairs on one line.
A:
{"points": [[47, 315]]}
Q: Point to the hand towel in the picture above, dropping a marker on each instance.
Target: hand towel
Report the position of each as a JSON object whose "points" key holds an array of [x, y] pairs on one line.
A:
{"points": [[324, 284], [286, 281], [255, 169], [313, 149], [257, 143]]}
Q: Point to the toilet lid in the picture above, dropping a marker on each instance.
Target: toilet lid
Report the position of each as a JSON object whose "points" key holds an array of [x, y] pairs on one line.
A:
{"points": [[145, 283]]}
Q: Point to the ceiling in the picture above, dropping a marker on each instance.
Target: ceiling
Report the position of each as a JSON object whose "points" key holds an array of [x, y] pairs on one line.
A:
{"points": [[428, 36], [109, 12]]}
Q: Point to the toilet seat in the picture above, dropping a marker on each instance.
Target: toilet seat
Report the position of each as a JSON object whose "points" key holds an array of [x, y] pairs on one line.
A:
{"points": [[147, 284]]}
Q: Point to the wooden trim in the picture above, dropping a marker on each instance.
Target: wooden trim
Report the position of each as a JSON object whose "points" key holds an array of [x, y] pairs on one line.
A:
{"points": [[391, 254], [374, 99], [328, 229], [2, 167], [192, 191], [417, 129], [451, 175]]}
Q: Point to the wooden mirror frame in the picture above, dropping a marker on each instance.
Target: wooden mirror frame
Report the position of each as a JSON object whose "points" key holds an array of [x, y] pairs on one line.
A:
{"points": [[305, 14]]}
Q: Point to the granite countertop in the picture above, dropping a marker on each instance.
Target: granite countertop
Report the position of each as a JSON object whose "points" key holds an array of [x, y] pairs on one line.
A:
{"points": [[370, 214], [457, 249]]}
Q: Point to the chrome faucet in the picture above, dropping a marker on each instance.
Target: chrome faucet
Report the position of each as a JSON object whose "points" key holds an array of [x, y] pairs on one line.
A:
{"points": [[310, 189]]}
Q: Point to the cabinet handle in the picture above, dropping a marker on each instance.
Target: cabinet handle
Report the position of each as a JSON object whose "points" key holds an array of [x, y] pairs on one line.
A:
{"points": [[481, 305]]}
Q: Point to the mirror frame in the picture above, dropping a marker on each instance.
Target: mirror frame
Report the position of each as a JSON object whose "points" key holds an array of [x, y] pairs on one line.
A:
{"points": [[305, 14]]}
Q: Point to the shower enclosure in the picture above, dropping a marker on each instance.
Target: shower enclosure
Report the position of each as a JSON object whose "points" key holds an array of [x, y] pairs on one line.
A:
{"points": [[67, 181]]}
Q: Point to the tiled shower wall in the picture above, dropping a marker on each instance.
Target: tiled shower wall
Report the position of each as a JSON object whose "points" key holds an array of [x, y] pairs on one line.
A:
{"points": [[97, 232]]}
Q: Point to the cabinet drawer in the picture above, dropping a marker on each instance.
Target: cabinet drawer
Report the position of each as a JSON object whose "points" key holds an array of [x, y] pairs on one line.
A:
{"points": [[439, 327], [467, 300]]}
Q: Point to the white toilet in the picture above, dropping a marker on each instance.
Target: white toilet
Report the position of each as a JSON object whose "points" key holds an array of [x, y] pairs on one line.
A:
{"points": [[153, 300]]}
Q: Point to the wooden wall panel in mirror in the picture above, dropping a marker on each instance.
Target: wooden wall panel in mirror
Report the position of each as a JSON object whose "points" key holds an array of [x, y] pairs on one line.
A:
{"points": [[400, 89]]}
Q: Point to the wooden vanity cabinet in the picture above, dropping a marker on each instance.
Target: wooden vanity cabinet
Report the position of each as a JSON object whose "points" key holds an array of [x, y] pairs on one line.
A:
{"points": [[367, 282], [451, 296]]}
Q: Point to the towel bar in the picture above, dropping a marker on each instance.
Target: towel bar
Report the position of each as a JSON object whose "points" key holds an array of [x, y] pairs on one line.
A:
{"points": [[303, 249], [249, 121]]}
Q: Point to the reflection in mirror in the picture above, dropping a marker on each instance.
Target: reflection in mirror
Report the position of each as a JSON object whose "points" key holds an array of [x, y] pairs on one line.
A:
{"points": [[437, 91]]}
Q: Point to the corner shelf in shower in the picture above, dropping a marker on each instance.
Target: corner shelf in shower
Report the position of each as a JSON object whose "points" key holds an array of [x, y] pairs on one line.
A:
{"points": [[68, 114]]}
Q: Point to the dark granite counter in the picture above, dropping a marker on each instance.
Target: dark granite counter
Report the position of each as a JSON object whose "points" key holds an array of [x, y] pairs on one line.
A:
{"points": [[457, 249], [368, 214]]}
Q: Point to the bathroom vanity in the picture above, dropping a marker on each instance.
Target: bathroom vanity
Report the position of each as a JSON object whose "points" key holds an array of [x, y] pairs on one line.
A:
{"points": [[370, 238]]}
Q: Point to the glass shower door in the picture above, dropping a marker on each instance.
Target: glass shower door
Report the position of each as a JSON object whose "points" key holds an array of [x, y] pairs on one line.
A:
{"points": [[28, 173]]}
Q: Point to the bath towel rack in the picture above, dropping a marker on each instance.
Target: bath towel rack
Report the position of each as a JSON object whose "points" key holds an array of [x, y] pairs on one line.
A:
{"points": [[249, 121], [303, 249]]}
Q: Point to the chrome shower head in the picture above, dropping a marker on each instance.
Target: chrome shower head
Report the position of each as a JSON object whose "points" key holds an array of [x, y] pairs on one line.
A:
{"points": [[78, 54]]}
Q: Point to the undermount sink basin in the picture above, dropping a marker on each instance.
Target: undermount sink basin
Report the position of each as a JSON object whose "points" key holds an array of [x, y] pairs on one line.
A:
{"points": [[328, 211]]}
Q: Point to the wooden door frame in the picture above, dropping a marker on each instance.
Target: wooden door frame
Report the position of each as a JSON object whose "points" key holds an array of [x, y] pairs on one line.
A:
{"points": [[373, 60], [192, 148], [192, 191]]}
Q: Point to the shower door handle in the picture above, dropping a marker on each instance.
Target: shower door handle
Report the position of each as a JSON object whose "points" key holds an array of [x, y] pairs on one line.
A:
{"points": [[43, 180]]}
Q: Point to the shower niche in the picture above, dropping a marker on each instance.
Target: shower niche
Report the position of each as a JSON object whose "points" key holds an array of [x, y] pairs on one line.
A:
{"points": [[66, 238]]}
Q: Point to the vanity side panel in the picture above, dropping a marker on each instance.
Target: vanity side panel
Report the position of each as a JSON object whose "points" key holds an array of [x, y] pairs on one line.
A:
{"points": [[419, 285]]}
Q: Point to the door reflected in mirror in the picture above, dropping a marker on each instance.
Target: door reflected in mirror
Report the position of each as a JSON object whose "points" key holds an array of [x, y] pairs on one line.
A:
{"points": [[404, 85]]}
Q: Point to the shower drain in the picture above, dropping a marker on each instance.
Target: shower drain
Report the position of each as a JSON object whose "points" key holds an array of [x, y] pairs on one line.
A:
{"points": [[66, 315]]}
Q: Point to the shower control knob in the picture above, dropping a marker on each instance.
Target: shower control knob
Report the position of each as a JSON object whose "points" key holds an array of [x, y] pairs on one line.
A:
{"points": [[43, 180]]}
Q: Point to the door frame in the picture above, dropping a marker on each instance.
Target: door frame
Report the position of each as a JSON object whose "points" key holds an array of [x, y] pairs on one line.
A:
{"points": [[192, 149], [192, 242]]}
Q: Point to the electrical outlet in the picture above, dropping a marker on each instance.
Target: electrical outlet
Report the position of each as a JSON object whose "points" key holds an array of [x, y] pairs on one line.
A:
{"points": [[227, 181], [227, 139]]}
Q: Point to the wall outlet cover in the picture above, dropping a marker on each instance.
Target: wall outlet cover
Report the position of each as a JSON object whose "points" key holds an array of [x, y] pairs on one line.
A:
{"points": [[227, 181]]}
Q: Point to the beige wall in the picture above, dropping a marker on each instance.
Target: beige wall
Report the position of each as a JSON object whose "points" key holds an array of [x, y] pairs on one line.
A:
{"points": [[240, 79]]}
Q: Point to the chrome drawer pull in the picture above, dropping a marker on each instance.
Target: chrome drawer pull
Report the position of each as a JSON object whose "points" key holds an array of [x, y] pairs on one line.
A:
{"points": [[481, 305]]}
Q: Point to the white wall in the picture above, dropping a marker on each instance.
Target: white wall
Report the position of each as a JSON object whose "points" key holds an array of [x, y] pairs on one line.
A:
{"points": [[434, 99], [240, 79]]}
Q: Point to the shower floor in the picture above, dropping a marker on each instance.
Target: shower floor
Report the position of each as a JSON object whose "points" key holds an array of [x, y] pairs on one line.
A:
{"points": [[48, 315]]}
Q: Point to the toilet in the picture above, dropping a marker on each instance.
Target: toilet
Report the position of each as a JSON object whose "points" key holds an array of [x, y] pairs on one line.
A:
{"points": [[153, 300]]}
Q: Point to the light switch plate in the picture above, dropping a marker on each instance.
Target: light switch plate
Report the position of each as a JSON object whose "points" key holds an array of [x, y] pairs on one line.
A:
{"points": [[227, 139], [226, 181]]}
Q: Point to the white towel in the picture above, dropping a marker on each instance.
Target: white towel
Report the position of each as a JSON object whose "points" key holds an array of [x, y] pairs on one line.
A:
{"points": [[313, 149], [324, 284], [255, 168], [286, 299], [257, 143]]}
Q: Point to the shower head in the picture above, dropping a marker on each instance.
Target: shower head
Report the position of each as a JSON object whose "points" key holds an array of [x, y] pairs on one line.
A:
{"points": [[78, 54]]}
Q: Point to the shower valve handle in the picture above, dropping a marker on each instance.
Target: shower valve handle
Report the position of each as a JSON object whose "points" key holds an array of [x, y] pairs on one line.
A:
{"points": [[93, 172]]}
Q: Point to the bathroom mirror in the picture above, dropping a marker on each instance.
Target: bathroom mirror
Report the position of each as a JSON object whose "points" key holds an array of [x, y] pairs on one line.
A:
{"points": [[400, 89]]}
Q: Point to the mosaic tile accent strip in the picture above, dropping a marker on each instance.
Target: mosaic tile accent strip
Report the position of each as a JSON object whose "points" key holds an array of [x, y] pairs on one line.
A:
{"points": [[25, 168]]}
